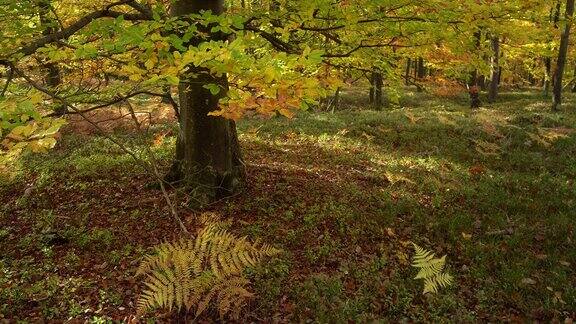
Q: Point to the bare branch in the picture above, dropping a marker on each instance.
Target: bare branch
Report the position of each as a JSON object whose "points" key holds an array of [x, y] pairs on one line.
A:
{"points": [[117, 101]]}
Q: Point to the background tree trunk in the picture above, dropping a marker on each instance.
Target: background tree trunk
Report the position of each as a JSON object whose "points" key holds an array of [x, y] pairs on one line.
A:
{"points": [[564, 43], [421, 68], [574, 80], [473, 89], [495, 70], [377, 83], [554, 18], [208, 158], [407, 76]]}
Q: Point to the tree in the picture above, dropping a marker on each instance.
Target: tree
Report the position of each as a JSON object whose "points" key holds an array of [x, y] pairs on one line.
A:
{"points": [[554, 18], [560, 65], [494, 69], [207, 149], [49, 24]]}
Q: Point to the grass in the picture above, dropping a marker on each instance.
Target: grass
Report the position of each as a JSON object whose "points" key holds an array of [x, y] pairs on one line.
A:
{"points": [[342, 194]]}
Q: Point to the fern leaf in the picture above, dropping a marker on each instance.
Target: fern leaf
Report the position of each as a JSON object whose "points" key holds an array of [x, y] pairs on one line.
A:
{"points": [[200, 272], [431, 270]]}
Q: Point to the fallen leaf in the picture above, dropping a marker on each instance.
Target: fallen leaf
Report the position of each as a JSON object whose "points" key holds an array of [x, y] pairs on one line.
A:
{"points": [[477, 169], [528, 281]]}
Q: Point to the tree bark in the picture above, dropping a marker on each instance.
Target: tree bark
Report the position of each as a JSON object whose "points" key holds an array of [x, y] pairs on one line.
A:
{"points": [[554, 18], [495, 70], [561, 64], [208, 158], [407, 76], [473, 89], [547, 72], [421, 69], [53, 78], [574, 80], [482, 82], [377, 83]]}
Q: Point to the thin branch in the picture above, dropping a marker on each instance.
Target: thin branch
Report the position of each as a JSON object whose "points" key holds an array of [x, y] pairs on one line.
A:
{"points": [[157, 174], [153, 170], [117, 101]]}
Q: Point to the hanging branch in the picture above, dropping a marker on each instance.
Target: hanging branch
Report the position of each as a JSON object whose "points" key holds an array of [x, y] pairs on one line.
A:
{"points": [[142, 163]]}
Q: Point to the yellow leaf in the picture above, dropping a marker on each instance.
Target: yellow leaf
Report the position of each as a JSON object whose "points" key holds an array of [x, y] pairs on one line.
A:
{"points": [[36, 98], [286, 112], [151, 62]]}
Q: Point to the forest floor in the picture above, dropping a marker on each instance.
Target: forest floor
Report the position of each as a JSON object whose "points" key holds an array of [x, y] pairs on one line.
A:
{"points": [[342, 194]]}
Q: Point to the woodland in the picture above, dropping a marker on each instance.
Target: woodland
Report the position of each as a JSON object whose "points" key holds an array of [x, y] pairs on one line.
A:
{"points": [[257, 161]]}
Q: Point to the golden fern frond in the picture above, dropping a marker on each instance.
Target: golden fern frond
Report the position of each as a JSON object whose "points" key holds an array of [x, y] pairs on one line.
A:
{"points": [[200, 272], [232, 295], [433, 284], [431, 270]]}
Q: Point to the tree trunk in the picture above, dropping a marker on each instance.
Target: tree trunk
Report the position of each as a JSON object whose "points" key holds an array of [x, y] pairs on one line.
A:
{"points": [[574, 81], [564, 43], [554, 18], [377, 83], [547, 72], [495, 70], [167, 94], [482, 82], [473, 89], [407, 76], [421, 69], [53, 78], [208, 158]]}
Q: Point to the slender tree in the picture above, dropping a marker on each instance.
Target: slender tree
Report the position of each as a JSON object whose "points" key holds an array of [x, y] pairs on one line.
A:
{"points": [[377, 83], [407, 75], [554, 18], [494, 70], [562, 53]]}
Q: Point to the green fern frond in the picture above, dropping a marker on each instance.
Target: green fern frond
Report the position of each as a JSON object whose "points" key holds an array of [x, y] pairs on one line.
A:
{"points": [[431, 270], [197, 273]]}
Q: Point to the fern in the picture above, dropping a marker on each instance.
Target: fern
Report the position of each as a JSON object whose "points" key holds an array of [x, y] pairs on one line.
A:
{"points": [[431, 270], [192, 274]]}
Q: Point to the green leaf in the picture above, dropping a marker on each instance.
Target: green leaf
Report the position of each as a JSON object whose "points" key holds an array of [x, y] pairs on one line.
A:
{"points": [[173, 80], [214, 88]]}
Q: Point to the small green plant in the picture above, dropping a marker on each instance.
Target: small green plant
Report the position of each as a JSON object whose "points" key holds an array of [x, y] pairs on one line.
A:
{"points": [[196, 273], [431, 270]]}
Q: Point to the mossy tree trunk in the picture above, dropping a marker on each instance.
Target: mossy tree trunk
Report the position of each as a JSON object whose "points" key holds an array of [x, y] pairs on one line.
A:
{"points": [[208, 159]]}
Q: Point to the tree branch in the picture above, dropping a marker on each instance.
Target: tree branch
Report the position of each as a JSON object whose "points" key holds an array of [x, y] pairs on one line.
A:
{"points": [[65, 33], [119, 100]]}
